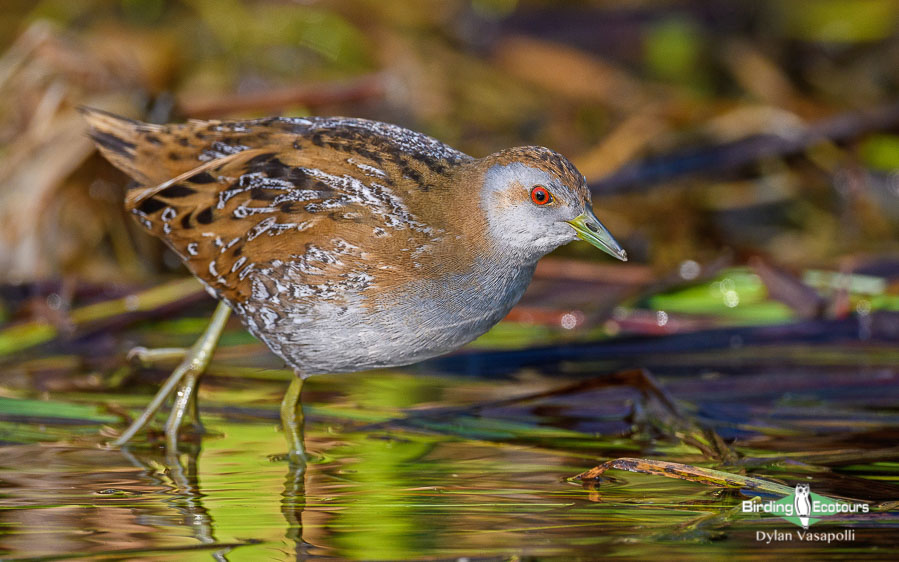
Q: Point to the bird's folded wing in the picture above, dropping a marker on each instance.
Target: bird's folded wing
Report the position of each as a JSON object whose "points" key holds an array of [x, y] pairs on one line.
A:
{"points": [[290, 220]]}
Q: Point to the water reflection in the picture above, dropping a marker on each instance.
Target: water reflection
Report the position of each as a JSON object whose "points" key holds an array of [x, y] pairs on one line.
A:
{"points": [[293, 503], [179, 475], [82, 500], [488, 481], [378, 496]]}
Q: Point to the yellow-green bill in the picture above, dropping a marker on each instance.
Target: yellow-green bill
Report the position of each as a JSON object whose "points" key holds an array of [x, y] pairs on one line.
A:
{"points": [[591, 230]]}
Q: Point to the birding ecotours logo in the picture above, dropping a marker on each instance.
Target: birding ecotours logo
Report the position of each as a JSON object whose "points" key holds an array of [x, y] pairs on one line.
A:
{"points": [[804, 507]]}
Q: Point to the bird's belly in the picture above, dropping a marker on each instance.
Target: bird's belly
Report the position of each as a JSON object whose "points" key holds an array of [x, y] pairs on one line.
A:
{"points": [[358, 333]]}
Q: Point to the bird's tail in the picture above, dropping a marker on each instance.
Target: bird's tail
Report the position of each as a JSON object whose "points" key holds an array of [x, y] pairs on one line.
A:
{"points": [[118, 139]]}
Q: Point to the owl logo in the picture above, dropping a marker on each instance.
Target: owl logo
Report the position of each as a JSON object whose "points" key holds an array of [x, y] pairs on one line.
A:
{"points": [[802, 504]]}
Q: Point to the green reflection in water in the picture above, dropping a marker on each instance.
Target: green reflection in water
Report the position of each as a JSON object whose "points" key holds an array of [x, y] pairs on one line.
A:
{"points": [[481, 482], [384, 470]]}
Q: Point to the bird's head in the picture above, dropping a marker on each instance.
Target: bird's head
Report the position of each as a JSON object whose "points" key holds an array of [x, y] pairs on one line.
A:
{"points": [[536, 200]]}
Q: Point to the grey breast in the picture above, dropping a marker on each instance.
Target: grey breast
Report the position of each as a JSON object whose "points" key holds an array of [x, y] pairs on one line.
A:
{"points": [[430, 318]]}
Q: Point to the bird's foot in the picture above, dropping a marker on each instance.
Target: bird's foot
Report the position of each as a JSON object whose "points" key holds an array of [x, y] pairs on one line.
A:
{"points": [[181, 384]]}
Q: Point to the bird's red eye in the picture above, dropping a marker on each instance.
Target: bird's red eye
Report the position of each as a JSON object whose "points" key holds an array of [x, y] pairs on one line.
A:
{"points": [[541, 196]]}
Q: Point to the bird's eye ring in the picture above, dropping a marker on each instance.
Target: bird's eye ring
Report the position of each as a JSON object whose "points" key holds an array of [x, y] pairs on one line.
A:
{"points": [[541, 196]]}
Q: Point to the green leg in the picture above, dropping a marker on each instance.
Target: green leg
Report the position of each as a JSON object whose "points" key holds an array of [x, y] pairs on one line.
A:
{"points": [[184, 406], [292, 420], [190, 369]]}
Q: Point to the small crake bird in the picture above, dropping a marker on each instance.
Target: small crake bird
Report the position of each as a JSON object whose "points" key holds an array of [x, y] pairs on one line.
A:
{"points": [[343, 244]]}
